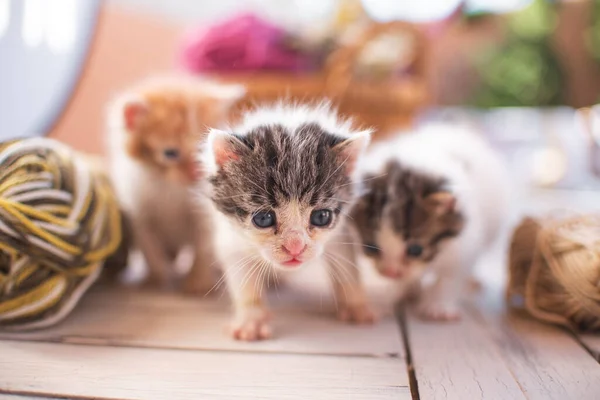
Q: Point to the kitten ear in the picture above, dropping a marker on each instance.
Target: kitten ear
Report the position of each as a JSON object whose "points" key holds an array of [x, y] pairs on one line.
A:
{"points": [[134, 111], [351, 149], [441, 202], [225, 147]]}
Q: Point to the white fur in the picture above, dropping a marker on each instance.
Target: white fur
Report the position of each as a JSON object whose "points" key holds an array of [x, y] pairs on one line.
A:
{"points": [[293, 116], [479, 180]]}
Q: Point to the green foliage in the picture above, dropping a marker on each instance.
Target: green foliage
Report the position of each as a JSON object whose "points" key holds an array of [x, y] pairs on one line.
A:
{"points": [[524, 71], [535, 22], [593, 33]]}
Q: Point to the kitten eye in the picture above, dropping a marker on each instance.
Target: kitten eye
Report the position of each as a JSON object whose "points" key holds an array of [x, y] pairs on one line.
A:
{"points": [[414, 250], [171, 154], [264, 219], [320, 217], [371, 249]]}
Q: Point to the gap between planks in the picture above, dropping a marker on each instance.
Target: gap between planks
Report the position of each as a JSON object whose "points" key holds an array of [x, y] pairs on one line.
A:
{"points": [[410, 368], [492, 354]]}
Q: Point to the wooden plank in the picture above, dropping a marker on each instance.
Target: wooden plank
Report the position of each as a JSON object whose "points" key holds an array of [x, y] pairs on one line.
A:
{"points": [[547, 362], [458, 361], [592, 342], [134, 373], [147, 319]]}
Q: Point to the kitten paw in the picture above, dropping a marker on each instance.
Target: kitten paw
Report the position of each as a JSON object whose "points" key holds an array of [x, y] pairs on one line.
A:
{"points": [[252, 325], [439, 312], [358, 314]]}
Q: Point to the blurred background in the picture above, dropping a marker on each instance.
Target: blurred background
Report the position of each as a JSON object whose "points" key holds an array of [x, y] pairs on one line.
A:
{"points": [[525, 72]]}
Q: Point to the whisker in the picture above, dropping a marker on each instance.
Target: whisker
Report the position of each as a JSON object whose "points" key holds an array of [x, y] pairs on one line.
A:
{"points": [[358, 244], [239, 265], [342, 269], [334, 274], [350, 263], [261, 276], [333, 278], [276, 281], [346, 215], [249, 274]]}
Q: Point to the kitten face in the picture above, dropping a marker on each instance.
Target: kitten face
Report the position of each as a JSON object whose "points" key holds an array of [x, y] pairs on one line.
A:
{"points": [[404, 218], [284, 187], [165, 124]]}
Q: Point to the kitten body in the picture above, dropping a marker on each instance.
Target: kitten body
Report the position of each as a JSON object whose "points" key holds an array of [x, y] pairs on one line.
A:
{"points": [[434, 201], [154, 130], [280, 184]]}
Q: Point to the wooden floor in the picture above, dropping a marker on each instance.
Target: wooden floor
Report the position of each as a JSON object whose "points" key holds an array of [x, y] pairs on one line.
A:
{"points": [[126, 344]]}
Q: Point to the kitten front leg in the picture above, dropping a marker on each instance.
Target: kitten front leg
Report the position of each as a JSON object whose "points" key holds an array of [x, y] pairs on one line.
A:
{"points": [[155, 255], [200, 279], [245, 283], [353, 305], [440, 301]]}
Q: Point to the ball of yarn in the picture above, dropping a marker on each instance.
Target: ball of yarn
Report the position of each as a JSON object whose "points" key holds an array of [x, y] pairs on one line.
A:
{"points": [[59, 222], [554, 270], [242, 43]]}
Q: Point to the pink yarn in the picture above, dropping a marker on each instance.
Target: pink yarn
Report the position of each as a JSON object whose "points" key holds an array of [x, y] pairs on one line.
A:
{"points": [[242, 43]]}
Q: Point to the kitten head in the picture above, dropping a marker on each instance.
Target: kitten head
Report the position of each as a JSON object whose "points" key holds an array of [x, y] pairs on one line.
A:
{"points": [[164, 120], [284, 179], [404, 218]]}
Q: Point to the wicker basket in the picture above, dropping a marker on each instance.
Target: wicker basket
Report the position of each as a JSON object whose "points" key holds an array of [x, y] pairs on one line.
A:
{"points": [[388, 103]]}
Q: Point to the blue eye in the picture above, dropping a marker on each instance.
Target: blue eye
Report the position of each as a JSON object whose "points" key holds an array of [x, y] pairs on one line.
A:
{"points": [[320, 218], [171, 154], [414, 250], [264, 219]]}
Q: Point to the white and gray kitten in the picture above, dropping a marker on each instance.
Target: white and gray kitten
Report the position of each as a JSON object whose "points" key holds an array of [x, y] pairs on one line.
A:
{"points": [[280, 183], [434, 201]]}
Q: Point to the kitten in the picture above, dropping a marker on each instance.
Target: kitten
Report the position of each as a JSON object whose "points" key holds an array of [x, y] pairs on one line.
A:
{"points": [[433, 201], [280, 184], [154, 130]]}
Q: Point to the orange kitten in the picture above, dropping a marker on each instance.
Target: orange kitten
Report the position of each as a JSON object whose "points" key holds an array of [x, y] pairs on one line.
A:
{"points": [[155, 129]]}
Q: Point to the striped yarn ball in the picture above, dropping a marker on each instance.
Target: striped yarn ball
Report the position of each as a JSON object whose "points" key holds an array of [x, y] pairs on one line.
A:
{"points": [[59, 222]]}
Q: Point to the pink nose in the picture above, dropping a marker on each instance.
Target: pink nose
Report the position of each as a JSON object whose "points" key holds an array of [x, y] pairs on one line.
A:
{"points": [[294, 247], [393, 273]]}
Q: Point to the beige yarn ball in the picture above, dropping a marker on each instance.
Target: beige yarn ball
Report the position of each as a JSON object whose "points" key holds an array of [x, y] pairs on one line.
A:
{"points": [[554, 270]]}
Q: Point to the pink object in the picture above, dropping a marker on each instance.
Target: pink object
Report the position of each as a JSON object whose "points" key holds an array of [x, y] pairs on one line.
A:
{"points": [[242, 43]]}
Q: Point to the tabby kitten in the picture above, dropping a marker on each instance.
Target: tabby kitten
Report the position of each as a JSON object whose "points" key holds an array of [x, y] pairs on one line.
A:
{"points": [[154, 130], [433, 201], [280, 183]]}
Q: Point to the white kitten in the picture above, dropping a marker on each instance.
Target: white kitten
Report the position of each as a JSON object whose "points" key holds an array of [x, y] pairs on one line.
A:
{"points": [[434, 201]]}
